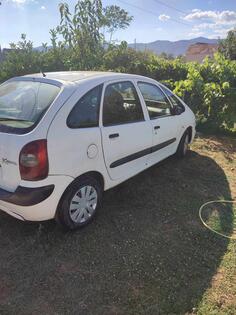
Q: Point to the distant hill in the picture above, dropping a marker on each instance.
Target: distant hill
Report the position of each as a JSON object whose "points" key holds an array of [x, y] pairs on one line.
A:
{"points": [[175, 48], [40, 48]]}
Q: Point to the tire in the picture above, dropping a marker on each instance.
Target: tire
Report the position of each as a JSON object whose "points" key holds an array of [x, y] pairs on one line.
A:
{"points": [[183, 145], [79, 203]]}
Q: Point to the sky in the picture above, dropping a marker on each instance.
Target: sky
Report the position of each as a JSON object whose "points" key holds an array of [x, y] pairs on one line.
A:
{"points": [[152, 19]]}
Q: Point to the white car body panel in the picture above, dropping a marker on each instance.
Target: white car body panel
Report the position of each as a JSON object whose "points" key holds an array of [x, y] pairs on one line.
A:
{"points": [[44, 210], [133, 137], [74, 152]]}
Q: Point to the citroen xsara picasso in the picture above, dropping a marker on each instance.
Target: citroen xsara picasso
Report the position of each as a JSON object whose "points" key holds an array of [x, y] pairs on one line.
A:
{"points": [[65, 137]]}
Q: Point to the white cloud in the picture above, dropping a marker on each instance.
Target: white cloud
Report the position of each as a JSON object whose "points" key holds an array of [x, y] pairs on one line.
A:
{"points": [[195, 34], [164, 17], [204, 26], [195, 10], [220, 17], [220, 29], [43, 7], [213, 23], [198, 14], [20, 2], [222, 33]]}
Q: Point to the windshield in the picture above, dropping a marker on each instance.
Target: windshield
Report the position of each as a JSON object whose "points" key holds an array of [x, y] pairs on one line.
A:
{"points": [[23, 103]]}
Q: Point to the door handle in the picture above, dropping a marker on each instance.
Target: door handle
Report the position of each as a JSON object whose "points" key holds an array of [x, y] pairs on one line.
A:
{"points": [[157, 127], [113, 135]]}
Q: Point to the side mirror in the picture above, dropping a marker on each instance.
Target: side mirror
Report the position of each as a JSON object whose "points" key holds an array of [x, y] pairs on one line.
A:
{"points": [[177, 110]]}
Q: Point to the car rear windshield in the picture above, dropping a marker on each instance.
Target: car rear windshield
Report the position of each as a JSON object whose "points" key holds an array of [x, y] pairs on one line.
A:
{"points": [[23, 103]]}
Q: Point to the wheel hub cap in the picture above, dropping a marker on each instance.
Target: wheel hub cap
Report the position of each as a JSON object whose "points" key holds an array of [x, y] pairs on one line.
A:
{"points": [[83, 204]]}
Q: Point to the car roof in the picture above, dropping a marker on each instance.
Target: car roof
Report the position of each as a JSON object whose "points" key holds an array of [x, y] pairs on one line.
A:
{"points": [[74, 76]]}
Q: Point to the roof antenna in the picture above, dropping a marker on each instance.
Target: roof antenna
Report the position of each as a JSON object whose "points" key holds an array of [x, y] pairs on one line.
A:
{"points": [[41, 71]]}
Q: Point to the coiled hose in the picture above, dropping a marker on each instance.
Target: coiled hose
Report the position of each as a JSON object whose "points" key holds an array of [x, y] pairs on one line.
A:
{"points": [[206, 225]]}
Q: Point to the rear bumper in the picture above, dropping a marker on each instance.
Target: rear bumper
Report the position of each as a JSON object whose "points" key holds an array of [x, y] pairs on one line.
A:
{"points": [[26, 196], [35, 201]]}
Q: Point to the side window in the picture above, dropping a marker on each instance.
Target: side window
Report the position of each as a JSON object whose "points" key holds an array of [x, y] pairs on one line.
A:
{"points": [[174, 100], [156, 101], [86, 111], [121, 104]]}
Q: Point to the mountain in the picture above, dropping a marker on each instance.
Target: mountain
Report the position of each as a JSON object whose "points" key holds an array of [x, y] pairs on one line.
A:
{"points": [[40, 48], [175, 48]]}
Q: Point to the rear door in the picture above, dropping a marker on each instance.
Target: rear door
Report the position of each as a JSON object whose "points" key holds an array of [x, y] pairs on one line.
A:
{"points": [[126, 135], [165, 126]]}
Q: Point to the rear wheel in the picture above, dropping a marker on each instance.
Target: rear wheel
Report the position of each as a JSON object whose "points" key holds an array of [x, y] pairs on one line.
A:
{"points": [[79, 203], [183, 145]]}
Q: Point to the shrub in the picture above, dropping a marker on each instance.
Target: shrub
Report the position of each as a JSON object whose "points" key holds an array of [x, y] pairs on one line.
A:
{"points": [[208, 88]]}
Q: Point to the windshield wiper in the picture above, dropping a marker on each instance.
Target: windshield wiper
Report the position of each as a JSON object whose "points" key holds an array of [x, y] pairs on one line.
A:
{"points": [[12, 119]]}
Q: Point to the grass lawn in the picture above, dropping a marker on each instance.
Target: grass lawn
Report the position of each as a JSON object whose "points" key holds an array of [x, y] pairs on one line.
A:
{"points": [[146, 253]]}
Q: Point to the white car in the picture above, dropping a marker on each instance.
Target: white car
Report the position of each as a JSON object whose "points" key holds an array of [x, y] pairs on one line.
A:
{"points": [[66, 137]]}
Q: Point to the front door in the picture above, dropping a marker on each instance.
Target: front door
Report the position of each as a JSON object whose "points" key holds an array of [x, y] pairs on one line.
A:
{"points": [[126, 135]]}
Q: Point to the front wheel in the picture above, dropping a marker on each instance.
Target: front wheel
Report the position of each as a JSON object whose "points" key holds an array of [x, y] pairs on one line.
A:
{"points": [[183, 145], [79, 203]]}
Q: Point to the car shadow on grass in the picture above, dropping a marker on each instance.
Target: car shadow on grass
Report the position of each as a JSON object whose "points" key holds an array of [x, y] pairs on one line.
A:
{"points": [[146, 252]]}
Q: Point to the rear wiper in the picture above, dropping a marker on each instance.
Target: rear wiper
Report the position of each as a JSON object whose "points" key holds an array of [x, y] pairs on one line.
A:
{"points": [[12, 119]]}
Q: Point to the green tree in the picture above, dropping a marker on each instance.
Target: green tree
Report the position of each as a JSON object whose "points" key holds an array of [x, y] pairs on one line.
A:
{"points": [[81, 32], [55, 58], [116, 18], [22, 59], [164, 55], [228, 45]]}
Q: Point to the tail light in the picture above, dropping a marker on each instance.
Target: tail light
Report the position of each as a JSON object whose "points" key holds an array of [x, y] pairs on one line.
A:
{"points": [[33, 160]]}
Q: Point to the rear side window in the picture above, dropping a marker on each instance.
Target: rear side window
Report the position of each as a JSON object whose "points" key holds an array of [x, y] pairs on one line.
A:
{"points": [[121, 104], [156, 101], [86, 111], [23, 103]]}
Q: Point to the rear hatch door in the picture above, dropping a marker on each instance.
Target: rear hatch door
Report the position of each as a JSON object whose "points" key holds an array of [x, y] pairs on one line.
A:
{"points": [[9, 164]]}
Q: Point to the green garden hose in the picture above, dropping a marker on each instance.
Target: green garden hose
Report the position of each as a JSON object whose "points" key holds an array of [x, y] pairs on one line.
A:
{"points": [[206, 225]]}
